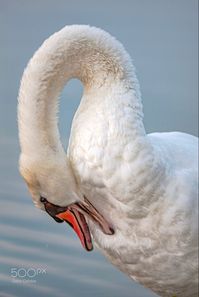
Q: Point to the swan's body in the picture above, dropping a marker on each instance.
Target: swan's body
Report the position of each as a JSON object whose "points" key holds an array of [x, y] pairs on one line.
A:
{"points": [[144, 185]]}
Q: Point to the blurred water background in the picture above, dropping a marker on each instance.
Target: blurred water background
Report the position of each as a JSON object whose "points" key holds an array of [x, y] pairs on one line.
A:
{"points": [[161, 36]]}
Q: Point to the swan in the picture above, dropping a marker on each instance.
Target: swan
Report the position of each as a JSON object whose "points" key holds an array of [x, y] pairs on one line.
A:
{"points": [[132, 193]]}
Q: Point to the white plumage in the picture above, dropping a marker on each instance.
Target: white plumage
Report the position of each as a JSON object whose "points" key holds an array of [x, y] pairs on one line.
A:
{"points": [[145, 186]]}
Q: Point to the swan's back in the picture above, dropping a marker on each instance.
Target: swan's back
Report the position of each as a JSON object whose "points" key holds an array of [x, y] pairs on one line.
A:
{"points": [[180, 149]]}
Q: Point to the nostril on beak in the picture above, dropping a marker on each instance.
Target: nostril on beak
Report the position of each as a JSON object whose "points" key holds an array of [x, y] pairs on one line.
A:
{"points": [[43, 200]]}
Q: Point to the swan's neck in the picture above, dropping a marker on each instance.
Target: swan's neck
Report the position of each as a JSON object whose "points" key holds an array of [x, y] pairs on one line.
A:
{"points": [[89, 54]]}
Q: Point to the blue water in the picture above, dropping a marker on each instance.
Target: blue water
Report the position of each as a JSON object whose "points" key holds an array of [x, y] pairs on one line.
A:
{"points": [[37, 256]]}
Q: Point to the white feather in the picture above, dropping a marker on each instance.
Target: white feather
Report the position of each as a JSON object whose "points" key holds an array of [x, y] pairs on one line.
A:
{"points": [[145, 185]]}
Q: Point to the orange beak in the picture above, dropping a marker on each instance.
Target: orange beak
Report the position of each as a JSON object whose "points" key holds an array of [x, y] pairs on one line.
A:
{"points": [[74, 215], [77, 221]]}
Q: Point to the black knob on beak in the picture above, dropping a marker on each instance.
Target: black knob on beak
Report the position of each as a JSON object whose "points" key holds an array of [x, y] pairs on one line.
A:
{"points": [[52, 209], [43, 200]]}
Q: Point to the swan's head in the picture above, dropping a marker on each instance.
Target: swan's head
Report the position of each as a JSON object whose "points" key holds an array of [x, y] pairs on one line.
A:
{"points": [[51, 178], [53, 188]]}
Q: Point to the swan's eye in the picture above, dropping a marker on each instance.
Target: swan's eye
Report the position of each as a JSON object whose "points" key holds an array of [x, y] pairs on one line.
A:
{"points": [[52, 209], [43, 200]]}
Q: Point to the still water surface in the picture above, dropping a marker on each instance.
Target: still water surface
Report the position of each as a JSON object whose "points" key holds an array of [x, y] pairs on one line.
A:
{"points": [[39, 257]]}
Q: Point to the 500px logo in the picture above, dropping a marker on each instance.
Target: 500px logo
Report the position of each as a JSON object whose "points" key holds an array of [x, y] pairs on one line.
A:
{"points": [[26, 273]]}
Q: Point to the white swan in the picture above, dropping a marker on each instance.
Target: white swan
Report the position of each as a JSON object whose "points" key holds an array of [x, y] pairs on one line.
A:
{"points": [[140, 187]]}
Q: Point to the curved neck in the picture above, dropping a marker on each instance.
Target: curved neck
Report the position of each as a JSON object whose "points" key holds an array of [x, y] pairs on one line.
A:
{"points": [[82, 52]]}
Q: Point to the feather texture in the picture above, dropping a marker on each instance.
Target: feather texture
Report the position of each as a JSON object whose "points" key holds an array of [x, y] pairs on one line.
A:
{"points": [[145, 185]]}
